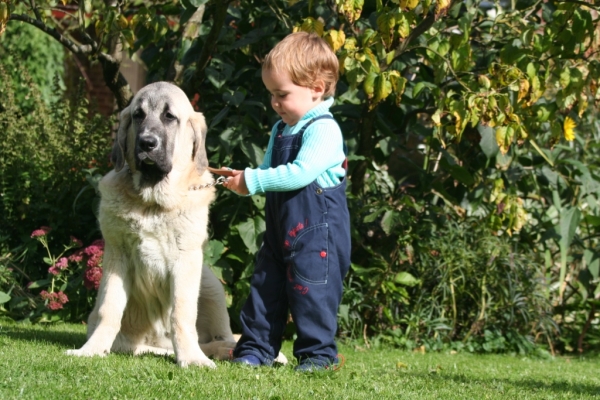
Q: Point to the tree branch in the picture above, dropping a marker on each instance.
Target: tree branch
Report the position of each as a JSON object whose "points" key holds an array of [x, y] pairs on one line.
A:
{"points": [[113, 78], [415, 33], [210, 44], [81, 50]]}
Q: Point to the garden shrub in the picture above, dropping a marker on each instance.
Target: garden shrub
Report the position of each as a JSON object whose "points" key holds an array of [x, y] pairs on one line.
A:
{"points": [[50, 158], [422, 276], [24, 48]]}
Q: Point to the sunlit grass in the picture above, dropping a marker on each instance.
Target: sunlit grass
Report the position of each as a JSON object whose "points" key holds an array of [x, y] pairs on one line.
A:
{"points": [[33, 366]]}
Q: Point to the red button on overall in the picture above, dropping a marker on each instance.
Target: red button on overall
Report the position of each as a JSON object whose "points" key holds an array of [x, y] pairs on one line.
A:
{"points": [[323, 254]]}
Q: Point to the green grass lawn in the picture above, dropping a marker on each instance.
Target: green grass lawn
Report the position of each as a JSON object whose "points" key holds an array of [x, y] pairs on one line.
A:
{"points": [[33, 366]]}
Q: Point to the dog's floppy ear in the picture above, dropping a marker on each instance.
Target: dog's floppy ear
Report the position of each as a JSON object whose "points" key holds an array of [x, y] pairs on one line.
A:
{"points": [[119, 149], [198, 125]]}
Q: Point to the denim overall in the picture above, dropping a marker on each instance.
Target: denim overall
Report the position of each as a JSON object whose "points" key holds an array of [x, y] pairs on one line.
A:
{"points": [[300, 267]]}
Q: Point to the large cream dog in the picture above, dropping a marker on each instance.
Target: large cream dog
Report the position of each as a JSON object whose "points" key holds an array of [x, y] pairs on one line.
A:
{"points": [[155, 295]]}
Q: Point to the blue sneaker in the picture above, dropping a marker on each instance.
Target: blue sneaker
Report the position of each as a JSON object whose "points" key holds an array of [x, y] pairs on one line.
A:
{"points": [[249, 360], [311, 365]]}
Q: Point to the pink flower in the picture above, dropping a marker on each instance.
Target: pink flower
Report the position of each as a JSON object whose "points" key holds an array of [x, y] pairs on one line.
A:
{"points": [[92, 250], [54, 305], [96, 248], [62, 298], [94, 261], [77, 257], [91, 278], [53, 270], [55, 300], [43, 231], [76, 242], [62, 263]]}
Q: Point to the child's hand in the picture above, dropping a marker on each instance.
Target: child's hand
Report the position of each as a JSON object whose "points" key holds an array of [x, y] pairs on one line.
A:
{"points": [[237, 183]]}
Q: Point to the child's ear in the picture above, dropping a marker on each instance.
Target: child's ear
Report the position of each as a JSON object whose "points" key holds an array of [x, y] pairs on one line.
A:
{"points": [[319, 88]]}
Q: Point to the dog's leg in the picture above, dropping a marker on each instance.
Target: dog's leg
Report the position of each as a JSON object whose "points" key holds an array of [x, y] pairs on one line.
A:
{"points": [[185, 290], [213, 319], [214, 330], [108, 311]]}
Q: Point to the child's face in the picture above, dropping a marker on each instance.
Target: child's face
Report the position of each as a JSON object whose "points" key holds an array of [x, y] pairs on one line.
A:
{"points": [[289, 100]]}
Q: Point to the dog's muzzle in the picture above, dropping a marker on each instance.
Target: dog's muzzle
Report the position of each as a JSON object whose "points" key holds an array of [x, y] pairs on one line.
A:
{"points": [[151, 158]]}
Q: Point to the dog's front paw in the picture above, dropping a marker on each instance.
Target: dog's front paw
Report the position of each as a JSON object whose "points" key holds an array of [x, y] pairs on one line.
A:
{"points": [[83, 352], [198, 361]]}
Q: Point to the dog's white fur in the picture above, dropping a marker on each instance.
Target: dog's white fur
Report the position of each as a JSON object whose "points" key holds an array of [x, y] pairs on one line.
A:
{"points": [[155, 295]]}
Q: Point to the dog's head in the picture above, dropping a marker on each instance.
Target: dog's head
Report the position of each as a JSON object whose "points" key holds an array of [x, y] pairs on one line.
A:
{"points": [[158, 130]]}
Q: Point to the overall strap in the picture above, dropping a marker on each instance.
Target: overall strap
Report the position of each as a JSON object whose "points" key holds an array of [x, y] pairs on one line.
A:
{"points": [[322, 116], [281, 124]]}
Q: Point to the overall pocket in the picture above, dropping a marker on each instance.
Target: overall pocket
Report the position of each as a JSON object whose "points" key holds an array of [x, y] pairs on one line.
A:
{"points": [[309, 254]]}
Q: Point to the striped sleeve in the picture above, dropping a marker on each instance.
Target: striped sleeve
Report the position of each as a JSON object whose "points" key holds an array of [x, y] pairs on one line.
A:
{"points": [[322, 150]]}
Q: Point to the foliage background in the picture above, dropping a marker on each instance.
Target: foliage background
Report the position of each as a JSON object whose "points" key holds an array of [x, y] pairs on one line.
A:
{"points": [[473, 151]]}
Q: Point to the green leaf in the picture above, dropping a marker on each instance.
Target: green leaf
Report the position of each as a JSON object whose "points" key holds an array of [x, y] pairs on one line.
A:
{"points": [[213, 252], [390, 221], [565, 78], [406, 279], [219, 117], [569, 220], [251, 232], [488, 143], [39, 284], [592, 220], [193, 3], [235, 99], [369, 84], [462, 175], [254, 153], [592, 260], [4, 297]]}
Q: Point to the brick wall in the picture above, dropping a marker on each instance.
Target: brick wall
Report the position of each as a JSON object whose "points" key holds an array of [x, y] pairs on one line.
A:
{"points": [[99, 95]]}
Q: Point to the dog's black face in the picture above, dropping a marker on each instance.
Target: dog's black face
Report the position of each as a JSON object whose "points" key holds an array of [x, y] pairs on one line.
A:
{"points": [[159, 132], [155, 126]]}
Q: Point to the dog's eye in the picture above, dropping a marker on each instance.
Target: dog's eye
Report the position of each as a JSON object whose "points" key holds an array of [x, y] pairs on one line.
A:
{"points": [[139, 114], [169, 116]]}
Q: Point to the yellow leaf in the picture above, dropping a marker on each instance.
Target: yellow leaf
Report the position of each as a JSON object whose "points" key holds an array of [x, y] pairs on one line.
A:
{"points": [[351, 9], [569, 129], [312, 25], [3, 13], [99, 27], [523, 89], [437, 118], [122, 22], [403, 26], [484, 81], [383, 88], [501, 139], [336, 39], [401, 365], [441, 7], [412, 4]]}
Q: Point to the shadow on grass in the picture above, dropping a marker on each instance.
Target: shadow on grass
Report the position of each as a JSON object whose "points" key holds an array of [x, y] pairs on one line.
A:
{"points": [[533, 385], [63, 338]]}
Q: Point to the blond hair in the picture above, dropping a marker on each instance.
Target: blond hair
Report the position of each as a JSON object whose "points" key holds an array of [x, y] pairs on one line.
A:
{"points": [[306, 58]]}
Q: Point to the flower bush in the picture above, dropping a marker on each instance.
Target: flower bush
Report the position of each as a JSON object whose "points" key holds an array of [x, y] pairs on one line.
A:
{"points": [[73, 279]]}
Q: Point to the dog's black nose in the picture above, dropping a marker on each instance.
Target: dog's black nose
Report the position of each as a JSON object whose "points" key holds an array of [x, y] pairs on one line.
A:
{"points": [[148, 143]]}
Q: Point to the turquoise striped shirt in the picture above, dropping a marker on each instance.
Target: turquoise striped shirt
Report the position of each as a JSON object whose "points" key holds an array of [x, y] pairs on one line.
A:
{"points": [[320, 157]]}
